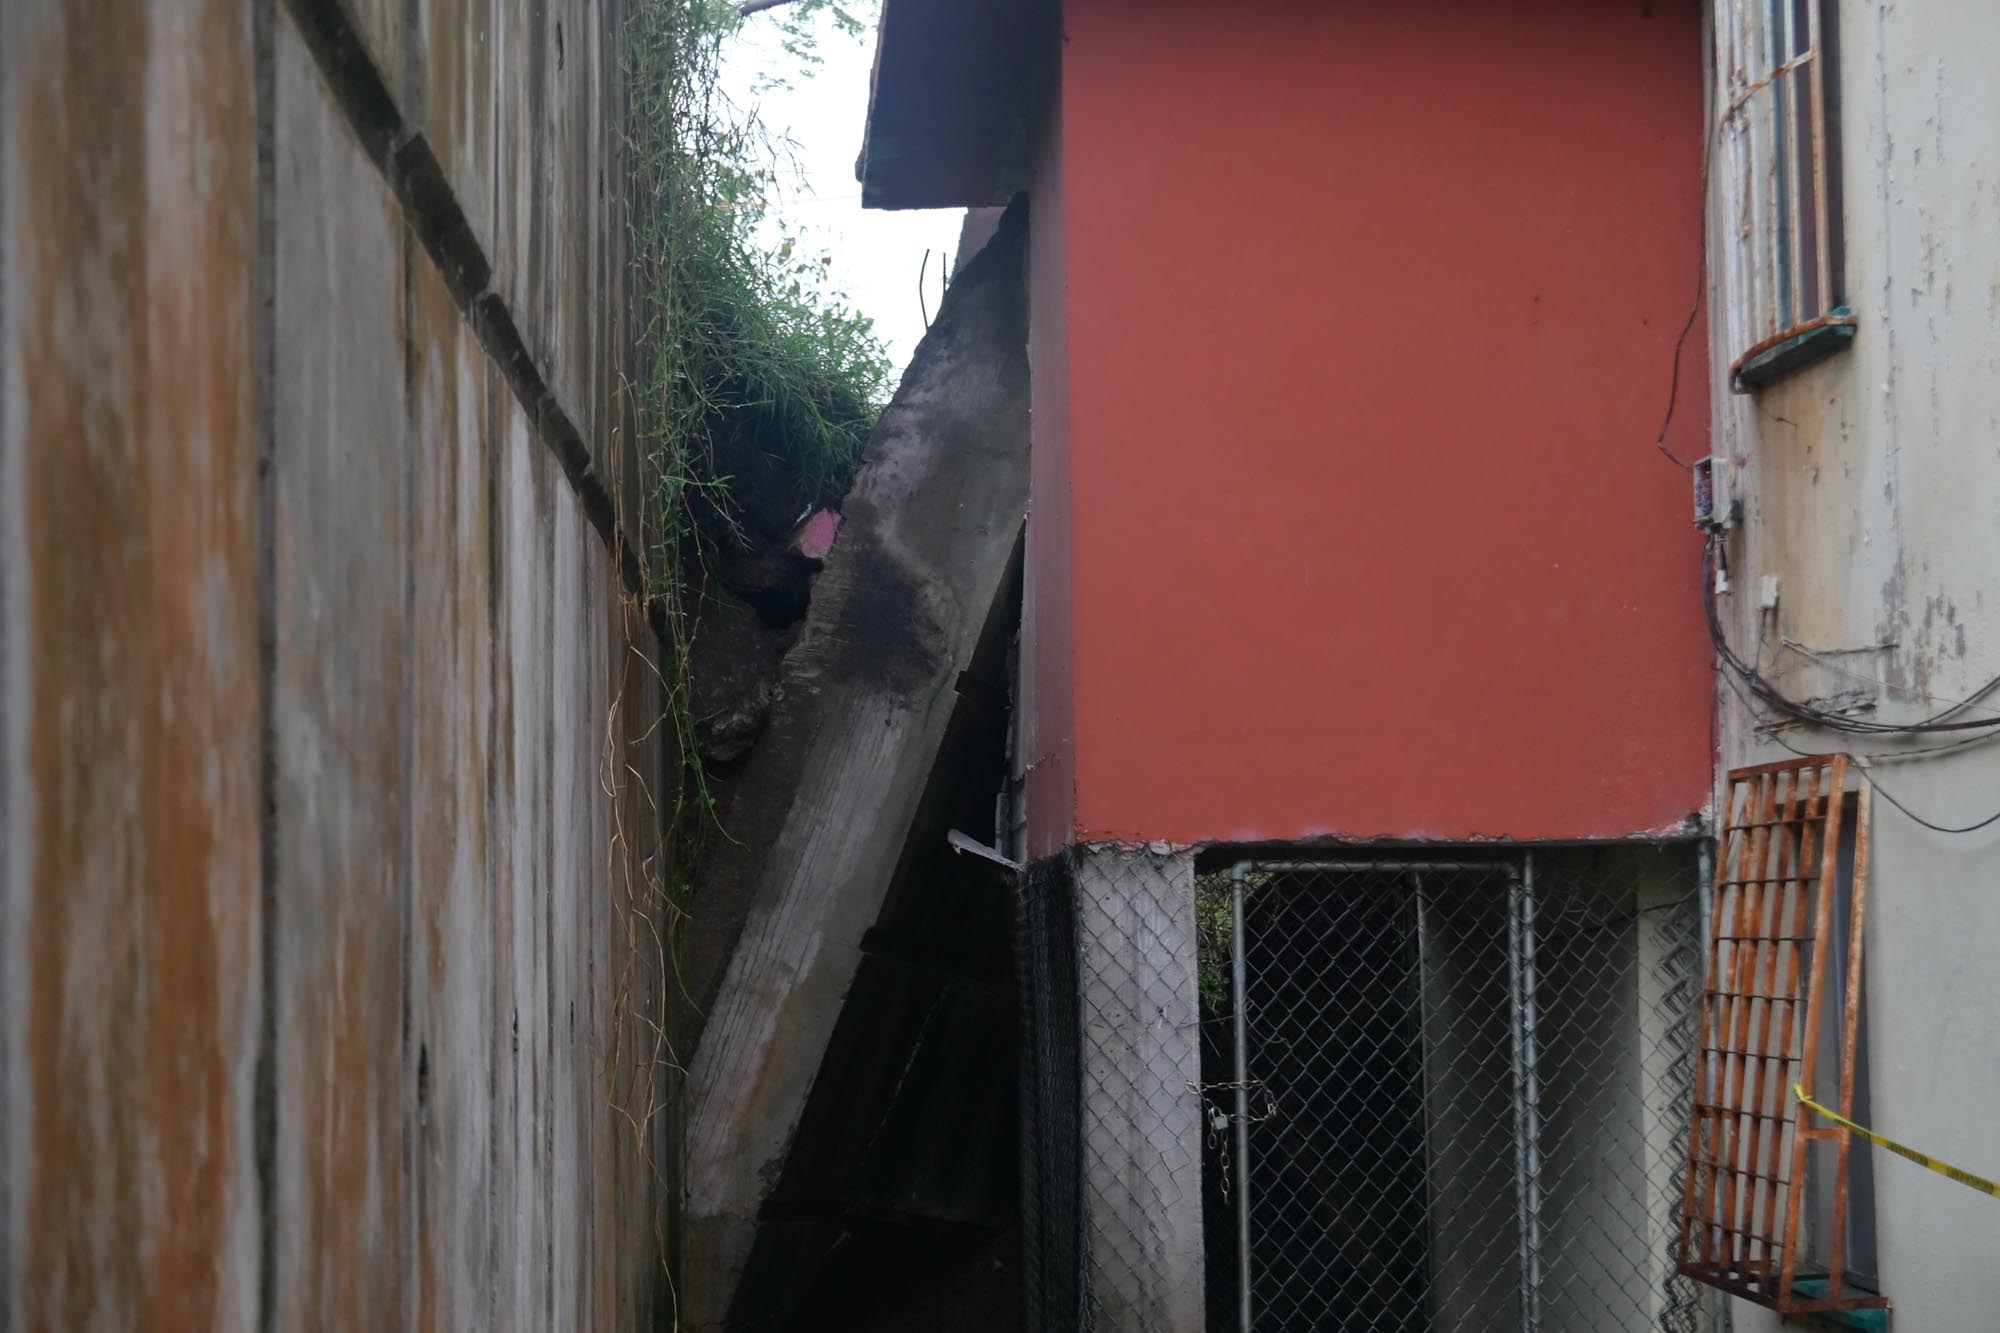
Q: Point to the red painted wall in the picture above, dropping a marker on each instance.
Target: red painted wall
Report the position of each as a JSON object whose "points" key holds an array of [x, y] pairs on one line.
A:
{"points": [[1369, 313]]}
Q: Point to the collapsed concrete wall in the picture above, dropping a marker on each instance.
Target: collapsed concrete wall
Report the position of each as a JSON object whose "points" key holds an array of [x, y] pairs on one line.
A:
{"points": [[821, 816], [331, 997]]}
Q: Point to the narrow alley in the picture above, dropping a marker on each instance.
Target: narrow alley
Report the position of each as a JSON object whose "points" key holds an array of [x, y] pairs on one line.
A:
{"points": [[1304, 667]]}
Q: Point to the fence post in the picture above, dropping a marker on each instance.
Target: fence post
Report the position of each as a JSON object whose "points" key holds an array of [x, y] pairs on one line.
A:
{"points": [[1527, 1087], [1140, 1020], [1238, 997]]}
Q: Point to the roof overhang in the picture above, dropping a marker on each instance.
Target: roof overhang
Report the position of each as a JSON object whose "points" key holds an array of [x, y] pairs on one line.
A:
{"points": [[955, 102]]}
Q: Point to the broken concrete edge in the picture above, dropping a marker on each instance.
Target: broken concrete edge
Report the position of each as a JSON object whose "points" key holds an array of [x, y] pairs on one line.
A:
{"points": [[409, 164], [758, 795]]}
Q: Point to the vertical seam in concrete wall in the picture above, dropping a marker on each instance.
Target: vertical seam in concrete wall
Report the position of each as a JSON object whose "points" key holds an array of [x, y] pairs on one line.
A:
{"points": [[495, 575], [263, 291], [13, 689], [411, 168], [544, 1112], [412, 1059]]}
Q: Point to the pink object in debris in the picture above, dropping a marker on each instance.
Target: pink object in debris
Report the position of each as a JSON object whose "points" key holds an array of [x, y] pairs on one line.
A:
{"points": [[815, 536]]}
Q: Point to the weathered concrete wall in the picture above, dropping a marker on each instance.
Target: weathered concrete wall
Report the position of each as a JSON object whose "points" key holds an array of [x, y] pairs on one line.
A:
{"points": [[1871, 490], [332, 986]]}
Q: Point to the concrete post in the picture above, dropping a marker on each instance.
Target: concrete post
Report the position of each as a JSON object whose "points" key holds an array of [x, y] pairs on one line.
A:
{"points": [[1141, 1116]]}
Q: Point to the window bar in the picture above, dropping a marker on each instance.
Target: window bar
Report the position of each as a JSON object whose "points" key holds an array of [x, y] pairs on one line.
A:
{"points": [[1757, 889], [1766, 179], [1736, 1030], [1784, 169], [1790, 929], [1822, 168], [1805, 215], [1802, 1133], [1851, 1015]]}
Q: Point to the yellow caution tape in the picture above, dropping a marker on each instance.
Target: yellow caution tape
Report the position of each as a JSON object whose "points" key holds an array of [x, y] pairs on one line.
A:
{"points": [[1945, 1169]]}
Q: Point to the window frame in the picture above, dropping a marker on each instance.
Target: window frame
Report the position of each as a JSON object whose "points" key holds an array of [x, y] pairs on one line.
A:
{"points": [[1777, 92]]}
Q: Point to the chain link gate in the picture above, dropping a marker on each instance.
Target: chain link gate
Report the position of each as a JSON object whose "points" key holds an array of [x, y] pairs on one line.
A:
{"points": [[1449, 1096]]}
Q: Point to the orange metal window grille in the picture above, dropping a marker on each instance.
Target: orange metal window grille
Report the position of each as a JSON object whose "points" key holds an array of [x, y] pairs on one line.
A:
{"points": [[1776, 885]]}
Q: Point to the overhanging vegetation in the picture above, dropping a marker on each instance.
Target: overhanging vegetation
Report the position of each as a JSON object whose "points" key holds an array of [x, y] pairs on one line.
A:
{"points": [[746, 352]]}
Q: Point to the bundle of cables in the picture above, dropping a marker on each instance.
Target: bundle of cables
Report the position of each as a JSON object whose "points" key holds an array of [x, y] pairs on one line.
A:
{"points": [[1750, 684]]}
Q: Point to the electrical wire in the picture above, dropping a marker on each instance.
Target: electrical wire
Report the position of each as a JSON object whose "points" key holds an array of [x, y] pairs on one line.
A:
{"points": [[1674, 387], [1694, 310], [1916, 818], [1861, 764], [1825, 661], [1779, 702], [1861, 767]]}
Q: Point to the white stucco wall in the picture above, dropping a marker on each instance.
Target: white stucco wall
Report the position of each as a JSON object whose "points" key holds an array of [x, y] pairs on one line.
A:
{"points": [[1871, 488]]}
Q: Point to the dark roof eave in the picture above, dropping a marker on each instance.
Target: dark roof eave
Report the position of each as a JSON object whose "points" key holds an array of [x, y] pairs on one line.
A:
{"points": [[954, 101]]}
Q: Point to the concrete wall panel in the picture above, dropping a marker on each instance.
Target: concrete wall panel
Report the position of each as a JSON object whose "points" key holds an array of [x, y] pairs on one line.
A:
{"points": [[574, 854], [456, 103], [364, 739], [454, 456], [129, 757], [1870, 486], [522, 1198], [341, 710], [558, 174]]}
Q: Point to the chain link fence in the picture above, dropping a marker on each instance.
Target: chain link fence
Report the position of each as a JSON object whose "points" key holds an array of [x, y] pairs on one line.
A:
{"points": [[1456, 1100], [1461, 1092], [1051, 1102]]}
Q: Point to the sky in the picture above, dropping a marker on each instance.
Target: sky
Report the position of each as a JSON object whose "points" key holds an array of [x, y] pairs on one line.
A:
{"points": [[877, 255]]}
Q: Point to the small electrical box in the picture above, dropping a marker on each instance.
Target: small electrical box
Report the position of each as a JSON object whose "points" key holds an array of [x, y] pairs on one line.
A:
{"points": [[1713, 508]]}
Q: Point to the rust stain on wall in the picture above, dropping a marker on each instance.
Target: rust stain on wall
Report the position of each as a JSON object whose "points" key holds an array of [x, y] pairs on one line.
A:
{"points": [[448, 1151], [134, 326]]}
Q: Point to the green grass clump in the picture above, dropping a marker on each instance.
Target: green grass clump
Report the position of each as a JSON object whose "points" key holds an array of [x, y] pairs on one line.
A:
{"points": [[742, 340]]}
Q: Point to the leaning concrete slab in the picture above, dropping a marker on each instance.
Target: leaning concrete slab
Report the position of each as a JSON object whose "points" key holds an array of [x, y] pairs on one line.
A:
{"points": [[833, 786]]}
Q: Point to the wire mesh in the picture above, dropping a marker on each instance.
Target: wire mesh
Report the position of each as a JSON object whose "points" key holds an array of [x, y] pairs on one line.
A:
{"points": [[1050, 1100], [1466, 1093]]}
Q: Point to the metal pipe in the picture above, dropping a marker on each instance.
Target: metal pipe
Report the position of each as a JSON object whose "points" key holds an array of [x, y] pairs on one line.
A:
{"points": [[1532, 1089], [1238, 993], [1527, 1088], [1718, 1314], [1516, 1065]]}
